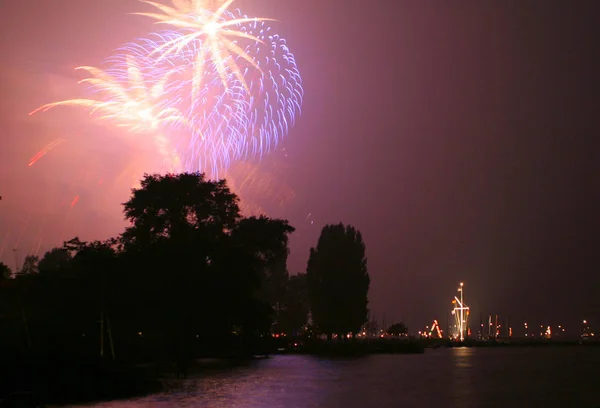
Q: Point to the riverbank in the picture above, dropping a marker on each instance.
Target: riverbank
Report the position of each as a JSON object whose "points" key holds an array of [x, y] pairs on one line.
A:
{"points": [[34, 382], [37, 381], [454, 378]]}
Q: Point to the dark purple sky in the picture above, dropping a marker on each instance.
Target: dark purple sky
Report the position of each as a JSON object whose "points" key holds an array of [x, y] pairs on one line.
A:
{"points": [[460, 138]]}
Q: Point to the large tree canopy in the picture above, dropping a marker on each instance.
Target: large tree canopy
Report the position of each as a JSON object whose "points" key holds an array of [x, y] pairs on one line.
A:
{"points": [[171, 206], [200, 253], [338, 281]]}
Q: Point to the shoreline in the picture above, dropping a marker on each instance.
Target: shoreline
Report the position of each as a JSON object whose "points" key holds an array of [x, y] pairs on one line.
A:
{"points": [[40, 383]]}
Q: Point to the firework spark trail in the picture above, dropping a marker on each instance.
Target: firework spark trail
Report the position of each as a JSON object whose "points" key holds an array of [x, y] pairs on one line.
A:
{"points": [[4, 242], [128, 99], [48, 148], [74, 201], [20, 237], [39, 245], [35, 248]]}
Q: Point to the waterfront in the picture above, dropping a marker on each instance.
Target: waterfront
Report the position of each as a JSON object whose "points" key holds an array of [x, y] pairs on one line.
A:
{"points": [[459, 377]]}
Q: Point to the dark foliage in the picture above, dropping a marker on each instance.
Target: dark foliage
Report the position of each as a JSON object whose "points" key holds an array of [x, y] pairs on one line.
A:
{"points": [[5, 272], [294, 312], [190, 277], [397, 329], [338, 281]]}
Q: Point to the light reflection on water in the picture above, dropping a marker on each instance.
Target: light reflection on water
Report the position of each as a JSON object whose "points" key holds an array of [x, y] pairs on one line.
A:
{"points": [[462, 371], [463, 377]]}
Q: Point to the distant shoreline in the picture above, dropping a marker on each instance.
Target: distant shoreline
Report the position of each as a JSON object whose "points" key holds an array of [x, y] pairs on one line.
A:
{"points": [[416, 346], [518, 342]]}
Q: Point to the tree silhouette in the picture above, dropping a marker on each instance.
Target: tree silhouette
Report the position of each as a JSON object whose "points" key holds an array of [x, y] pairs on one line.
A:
{"points": [[295, 313], [190, 277], [30, 265], [54, 261], [171, 206], [397, 329], [6, 306], [5, 294], [5, 272], [267, 239], [196, 263], [338, 281]]}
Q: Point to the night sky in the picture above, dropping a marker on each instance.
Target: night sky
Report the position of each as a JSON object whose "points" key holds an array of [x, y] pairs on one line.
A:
{"points": [[460, 138]]}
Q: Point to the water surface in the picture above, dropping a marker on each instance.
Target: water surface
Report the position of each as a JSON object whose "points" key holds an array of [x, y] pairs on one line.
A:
{"points": [[461, 377]]}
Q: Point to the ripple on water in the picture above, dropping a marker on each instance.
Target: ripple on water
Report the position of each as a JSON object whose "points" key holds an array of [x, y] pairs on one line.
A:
{"points": [[460, 377]]}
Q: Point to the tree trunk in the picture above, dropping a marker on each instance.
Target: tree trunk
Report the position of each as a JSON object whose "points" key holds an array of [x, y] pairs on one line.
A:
{"points": [[25, 324], [110, 339], [101, 334]]}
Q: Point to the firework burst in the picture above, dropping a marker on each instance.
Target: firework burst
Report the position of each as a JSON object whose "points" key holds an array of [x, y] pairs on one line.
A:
{"points": [[129, 99], [216, 32], [217, 88]]}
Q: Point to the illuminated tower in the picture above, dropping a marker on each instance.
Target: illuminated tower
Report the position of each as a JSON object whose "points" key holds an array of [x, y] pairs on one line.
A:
{"points": [[461, 314]]}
